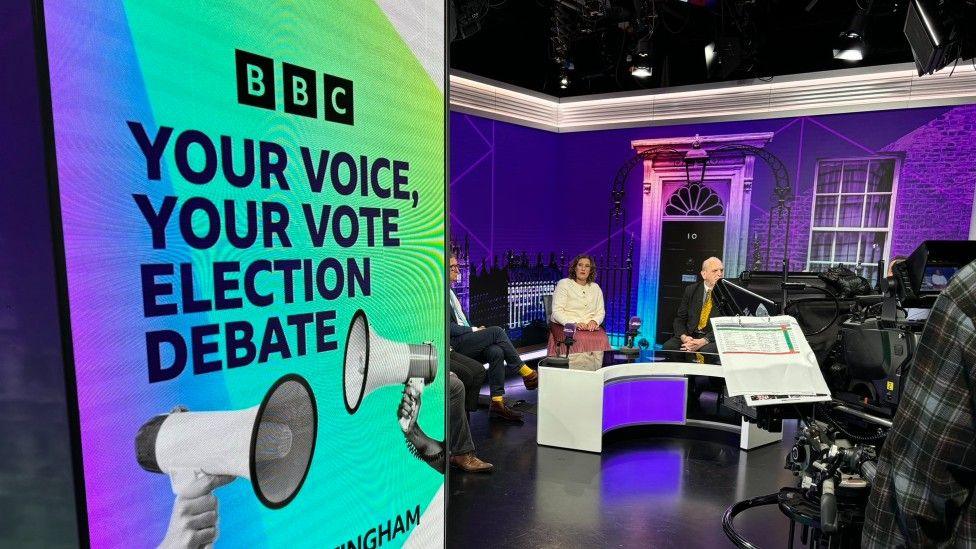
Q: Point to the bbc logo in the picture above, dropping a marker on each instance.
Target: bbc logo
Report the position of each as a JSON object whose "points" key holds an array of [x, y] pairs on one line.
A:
{"points": [[256, 88]]}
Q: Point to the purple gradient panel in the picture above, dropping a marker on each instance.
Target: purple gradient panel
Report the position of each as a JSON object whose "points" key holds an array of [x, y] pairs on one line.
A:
{"points": [[644, 401], [504, 193], [641, 473]]}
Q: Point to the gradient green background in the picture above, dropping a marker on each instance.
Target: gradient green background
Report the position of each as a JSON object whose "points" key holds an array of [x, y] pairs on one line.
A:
{"points": [[161, 63]]}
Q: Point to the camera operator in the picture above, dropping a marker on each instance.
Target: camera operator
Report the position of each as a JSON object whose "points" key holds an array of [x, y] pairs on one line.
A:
{"points": [[926, 475]]}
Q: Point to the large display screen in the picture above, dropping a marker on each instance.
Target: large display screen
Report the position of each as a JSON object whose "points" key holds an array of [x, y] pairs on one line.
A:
{"points": [[251, 196]]}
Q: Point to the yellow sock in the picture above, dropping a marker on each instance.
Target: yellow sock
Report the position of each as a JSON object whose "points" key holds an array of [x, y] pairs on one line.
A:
{"points": [[498, 399], [525, 370]]}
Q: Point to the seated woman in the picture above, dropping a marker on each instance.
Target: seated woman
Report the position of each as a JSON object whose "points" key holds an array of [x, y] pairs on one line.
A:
{"points": [[578, 299]]}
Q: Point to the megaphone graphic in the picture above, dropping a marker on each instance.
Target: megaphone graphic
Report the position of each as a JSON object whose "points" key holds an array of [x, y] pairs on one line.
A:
{"points": [[271, 444], [372, 361]]}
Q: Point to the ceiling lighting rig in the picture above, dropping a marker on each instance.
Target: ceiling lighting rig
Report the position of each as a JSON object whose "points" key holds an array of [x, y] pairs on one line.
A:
{"points": [[641, 62], [735, 49]]}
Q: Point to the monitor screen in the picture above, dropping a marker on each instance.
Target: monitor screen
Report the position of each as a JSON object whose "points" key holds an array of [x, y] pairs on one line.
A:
{"points": [[935, 278]]}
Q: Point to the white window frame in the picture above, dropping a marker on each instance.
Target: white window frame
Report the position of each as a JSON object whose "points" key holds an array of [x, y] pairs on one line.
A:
{"points": [[896, 170]]}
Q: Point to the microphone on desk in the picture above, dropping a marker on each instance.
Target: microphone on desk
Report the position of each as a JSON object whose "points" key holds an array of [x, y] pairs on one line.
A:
{"points": [[569, 334], [633, 329]]}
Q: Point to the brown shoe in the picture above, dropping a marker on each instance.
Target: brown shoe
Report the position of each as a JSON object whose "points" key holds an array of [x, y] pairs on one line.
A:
{"points": [[531, 381], [499, 410], [469, 463]]}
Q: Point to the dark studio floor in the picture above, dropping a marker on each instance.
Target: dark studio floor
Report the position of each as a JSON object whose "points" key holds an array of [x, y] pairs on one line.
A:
{"points": [[645, 490]]}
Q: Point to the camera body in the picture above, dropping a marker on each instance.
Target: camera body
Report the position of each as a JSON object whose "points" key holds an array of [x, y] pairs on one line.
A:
{"points": [[837, 443], [869, 361], [865, 345]]}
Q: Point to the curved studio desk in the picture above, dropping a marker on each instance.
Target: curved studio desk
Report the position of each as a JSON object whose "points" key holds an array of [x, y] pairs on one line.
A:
{"points": [[576, 407]]}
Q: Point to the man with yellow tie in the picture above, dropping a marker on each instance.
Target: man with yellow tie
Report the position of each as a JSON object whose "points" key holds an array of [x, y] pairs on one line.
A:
{"points": [[692, 330]]}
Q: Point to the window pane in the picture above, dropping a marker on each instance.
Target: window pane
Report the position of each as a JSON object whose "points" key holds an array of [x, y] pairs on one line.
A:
{"points": [[825, 213], [855, 173], [846, 247], [880, 175], [872, 247], [869, 272], [819, 267], [876, 214], [828, 177], [850, 211], [820, 246]]}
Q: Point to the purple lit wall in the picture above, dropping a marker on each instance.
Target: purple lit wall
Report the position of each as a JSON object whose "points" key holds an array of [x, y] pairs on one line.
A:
{"points": [[537, 191], [503, 186], [937, 180]]}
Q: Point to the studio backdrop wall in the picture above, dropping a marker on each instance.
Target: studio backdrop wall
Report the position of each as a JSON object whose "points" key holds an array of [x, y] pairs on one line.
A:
{"points": [[865, 186], [250, 199]]}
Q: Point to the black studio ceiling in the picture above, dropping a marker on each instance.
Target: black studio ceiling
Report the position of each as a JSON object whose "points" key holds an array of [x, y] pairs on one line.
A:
{"points": [[595, 45]]}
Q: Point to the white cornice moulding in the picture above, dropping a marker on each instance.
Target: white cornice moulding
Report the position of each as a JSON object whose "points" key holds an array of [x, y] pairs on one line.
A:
{"points": [[842, 91]]}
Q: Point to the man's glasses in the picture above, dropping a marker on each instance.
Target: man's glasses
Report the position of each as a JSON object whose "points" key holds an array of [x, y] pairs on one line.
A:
{"points": [[455, 267]]}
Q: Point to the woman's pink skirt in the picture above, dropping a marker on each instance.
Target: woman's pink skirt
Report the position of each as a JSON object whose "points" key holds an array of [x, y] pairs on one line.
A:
{"points": [[584, 341]]}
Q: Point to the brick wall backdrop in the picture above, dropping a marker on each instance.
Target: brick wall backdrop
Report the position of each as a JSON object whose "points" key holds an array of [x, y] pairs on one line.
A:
{"points": [[936, 181], [934, 199]]}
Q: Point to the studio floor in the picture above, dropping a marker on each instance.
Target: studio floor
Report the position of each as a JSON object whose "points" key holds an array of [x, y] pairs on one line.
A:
{"points": [[647, 489]]}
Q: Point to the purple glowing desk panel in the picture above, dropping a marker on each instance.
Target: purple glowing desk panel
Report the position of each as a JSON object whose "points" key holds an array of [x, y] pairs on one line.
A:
{"points": [[644, 401]]}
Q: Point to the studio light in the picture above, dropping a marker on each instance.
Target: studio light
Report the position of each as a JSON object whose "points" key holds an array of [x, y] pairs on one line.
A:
{"points": [[849, 47], [709, 55], [641, 70], [850, 44], [642, 59], [563, 80], [940, 32], [564, 69]]}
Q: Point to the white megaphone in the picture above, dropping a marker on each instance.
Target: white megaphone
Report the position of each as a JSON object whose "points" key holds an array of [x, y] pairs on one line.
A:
{"points": [[271, 444], [372, 361]]}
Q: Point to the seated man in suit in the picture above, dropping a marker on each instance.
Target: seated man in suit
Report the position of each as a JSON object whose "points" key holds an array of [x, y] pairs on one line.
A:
{"points": [[489, 345], [692, 330]]}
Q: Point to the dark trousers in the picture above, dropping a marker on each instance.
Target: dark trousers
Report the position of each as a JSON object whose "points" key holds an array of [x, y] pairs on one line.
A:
{"points": [[472, 375], [461, 442], [490, 345]]}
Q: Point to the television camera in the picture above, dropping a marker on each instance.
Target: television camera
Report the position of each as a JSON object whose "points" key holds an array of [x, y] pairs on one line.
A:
{"points": [[865, 342]]}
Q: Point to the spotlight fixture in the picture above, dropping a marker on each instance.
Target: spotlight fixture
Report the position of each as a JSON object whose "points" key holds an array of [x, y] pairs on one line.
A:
{"points": [[641, 70], [850, 44], [563, 78], [642, 59]]}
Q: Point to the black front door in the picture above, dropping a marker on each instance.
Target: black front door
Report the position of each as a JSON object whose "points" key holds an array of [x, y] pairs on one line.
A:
{"points": [[684, 245]]}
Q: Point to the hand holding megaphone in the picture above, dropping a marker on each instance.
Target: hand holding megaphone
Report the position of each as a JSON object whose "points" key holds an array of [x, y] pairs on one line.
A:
{"points": [[372, 361], [426, 449], [409, 409], [193, 522], [270, 444]]}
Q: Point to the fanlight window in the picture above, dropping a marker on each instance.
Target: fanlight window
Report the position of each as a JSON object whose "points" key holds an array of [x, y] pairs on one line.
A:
{"points": [[694, 199]]}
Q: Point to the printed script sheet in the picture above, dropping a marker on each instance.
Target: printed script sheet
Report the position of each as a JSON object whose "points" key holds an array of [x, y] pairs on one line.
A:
{"points": [[768, 360]]}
